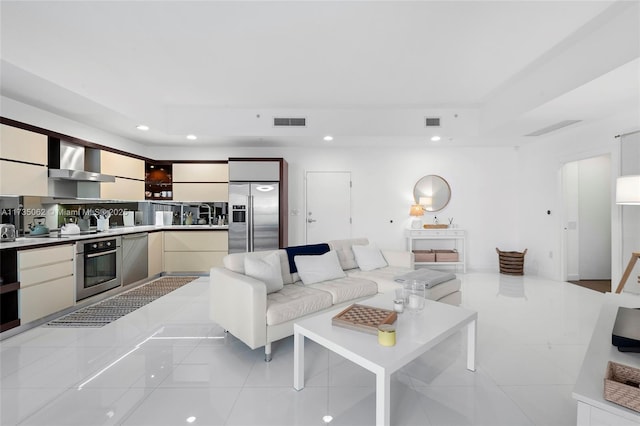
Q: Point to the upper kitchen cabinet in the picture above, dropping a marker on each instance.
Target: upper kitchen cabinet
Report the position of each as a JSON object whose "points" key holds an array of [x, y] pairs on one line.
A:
{"points": [[129, 173], [23, 145], [200, 172], [23, 162], [121, 165], [201, 181]]}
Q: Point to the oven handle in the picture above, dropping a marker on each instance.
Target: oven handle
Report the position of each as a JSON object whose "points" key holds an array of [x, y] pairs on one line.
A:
{"points": [[102, 253]]}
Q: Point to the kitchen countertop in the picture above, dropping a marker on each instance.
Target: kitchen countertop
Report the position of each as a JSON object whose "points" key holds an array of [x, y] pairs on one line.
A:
{"points": [[34, 242]]}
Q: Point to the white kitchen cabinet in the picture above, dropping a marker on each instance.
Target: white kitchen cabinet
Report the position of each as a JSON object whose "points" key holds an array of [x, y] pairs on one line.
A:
{"points": [[255, 171], [121, 166], [23, 179], [22, 145], [47, 282], [194, 251], [200, 191], [23, 162], [200, 172], [200, 182], [155, 253], [129, 173], [122, 189]]}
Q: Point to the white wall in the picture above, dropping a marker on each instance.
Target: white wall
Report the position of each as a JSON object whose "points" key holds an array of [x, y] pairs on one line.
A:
{"points": [[483, 183], [540, 165], [500, 195]]}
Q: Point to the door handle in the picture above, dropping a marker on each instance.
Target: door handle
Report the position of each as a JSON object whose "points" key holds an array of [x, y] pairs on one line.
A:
{"points": [[311, 220]]}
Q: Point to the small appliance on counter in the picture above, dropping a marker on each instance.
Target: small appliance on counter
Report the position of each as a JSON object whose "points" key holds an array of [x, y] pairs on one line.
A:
{"points": [[128, 218], [38, 227], [69, 229], [7, 232]]}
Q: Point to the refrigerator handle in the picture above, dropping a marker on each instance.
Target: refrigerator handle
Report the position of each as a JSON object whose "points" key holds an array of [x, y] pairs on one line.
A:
{"points": [[250, 223]]}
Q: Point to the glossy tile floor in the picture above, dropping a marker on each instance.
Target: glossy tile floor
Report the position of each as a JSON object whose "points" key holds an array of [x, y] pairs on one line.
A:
{"points": [[168, 364]]}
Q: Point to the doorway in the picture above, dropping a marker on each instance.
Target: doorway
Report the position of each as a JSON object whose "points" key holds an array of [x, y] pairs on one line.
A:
{"points": [[328, 206], [587, 222]]}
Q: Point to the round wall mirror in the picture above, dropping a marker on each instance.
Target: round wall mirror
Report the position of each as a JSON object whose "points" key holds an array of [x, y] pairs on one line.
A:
{"points": [[432, 192]]}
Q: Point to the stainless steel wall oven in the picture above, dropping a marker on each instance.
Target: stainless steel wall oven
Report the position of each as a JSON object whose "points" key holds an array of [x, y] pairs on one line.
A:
{"points": [[98, 266]]}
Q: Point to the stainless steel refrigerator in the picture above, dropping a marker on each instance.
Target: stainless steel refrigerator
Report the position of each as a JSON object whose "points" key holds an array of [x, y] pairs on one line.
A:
{"points": [[255, 215]]}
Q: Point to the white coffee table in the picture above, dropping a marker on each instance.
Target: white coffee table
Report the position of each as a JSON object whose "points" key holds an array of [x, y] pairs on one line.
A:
{"points": [[415, 334]]}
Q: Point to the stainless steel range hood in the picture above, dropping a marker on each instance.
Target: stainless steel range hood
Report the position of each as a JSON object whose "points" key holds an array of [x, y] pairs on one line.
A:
{"points": [[73, 162], [79, 175]]}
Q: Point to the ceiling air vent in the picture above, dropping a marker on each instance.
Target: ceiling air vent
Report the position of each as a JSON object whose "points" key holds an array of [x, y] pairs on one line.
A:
{"points": [[297, 122], [553, 127], [432, 122]]}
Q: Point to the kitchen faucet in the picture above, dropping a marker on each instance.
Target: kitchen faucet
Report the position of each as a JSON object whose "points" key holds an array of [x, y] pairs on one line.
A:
{"points": [[209, 215]]}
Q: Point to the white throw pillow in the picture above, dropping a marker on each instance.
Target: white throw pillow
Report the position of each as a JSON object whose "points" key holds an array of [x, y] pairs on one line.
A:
{"points": [[267, 270], [369, 257], [315, 269]]}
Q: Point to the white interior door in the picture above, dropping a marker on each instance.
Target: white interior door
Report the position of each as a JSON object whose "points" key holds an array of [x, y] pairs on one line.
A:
{"points": [[328, 206]]}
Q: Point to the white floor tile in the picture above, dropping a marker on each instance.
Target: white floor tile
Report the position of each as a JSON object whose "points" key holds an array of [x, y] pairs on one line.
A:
{"points": [[545, 404], [207, 406], [167, 362]]}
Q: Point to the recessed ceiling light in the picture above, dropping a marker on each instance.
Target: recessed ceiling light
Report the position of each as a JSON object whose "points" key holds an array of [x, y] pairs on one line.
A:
{"points": [[142, 127], [191, 419], [192, 137], [435, 138], [328, 138]]}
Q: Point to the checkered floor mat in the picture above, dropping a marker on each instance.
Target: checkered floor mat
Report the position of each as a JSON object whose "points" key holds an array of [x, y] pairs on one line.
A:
{"points": [[102, 313]]}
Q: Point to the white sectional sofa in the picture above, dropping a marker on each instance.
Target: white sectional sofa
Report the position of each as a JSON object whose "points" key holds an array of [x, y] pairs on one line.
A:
{"points": [[257, 313]]}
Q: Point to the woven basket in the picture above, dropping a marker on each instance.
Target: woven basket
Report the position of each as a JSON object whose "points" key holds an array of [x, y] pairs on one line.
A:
{"points": [[621, 385], [511, 262], [424, 255]]}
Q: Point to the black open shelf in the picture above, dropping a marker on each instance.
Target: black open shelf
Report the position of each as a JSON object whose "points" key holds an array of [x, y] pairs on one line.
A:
{"points": [[9, 289]]}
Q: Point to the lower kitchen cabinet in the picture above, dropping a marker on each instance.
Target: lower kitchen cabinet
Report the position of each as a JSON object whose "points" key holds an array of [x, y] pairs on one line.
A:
{"points": [[155, 252], [47, 282], [194, 251]]}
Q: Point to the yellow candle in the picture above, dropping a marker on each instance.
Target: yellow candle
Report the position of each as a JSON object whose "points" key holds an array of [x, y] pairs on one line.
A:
{"points": [[386, 335]]}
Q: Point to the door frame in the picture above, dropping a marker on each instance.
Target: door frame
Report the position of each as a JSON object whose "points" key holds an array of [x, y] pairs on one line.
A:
{"points": [[306, 198]]}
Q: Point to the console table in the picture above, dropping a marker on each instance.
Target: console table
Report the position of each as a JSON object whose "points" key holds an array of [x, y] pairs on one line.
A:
{"points": [[593, 409], [457, 236]]}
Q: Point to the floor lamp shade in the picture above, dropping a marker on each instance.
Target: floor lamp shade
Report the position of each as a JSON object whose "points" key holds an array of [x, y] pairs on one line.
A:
{"points": [[628, 190]]}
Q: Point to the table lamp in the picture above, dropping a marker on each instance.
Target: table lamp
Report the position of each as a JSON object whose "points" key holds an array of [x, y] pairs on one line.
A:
{"points": [[416, 211]]}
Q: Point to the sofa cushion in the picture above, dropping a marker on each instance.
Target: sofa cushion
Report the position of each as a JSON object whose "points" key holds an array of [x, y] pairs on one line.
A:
{"points": [[368, 257], [306, 250], [235, 262], [345, 253], [314, 269], [295, 301], [267, 270], [384, 277], [348, 288]]}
